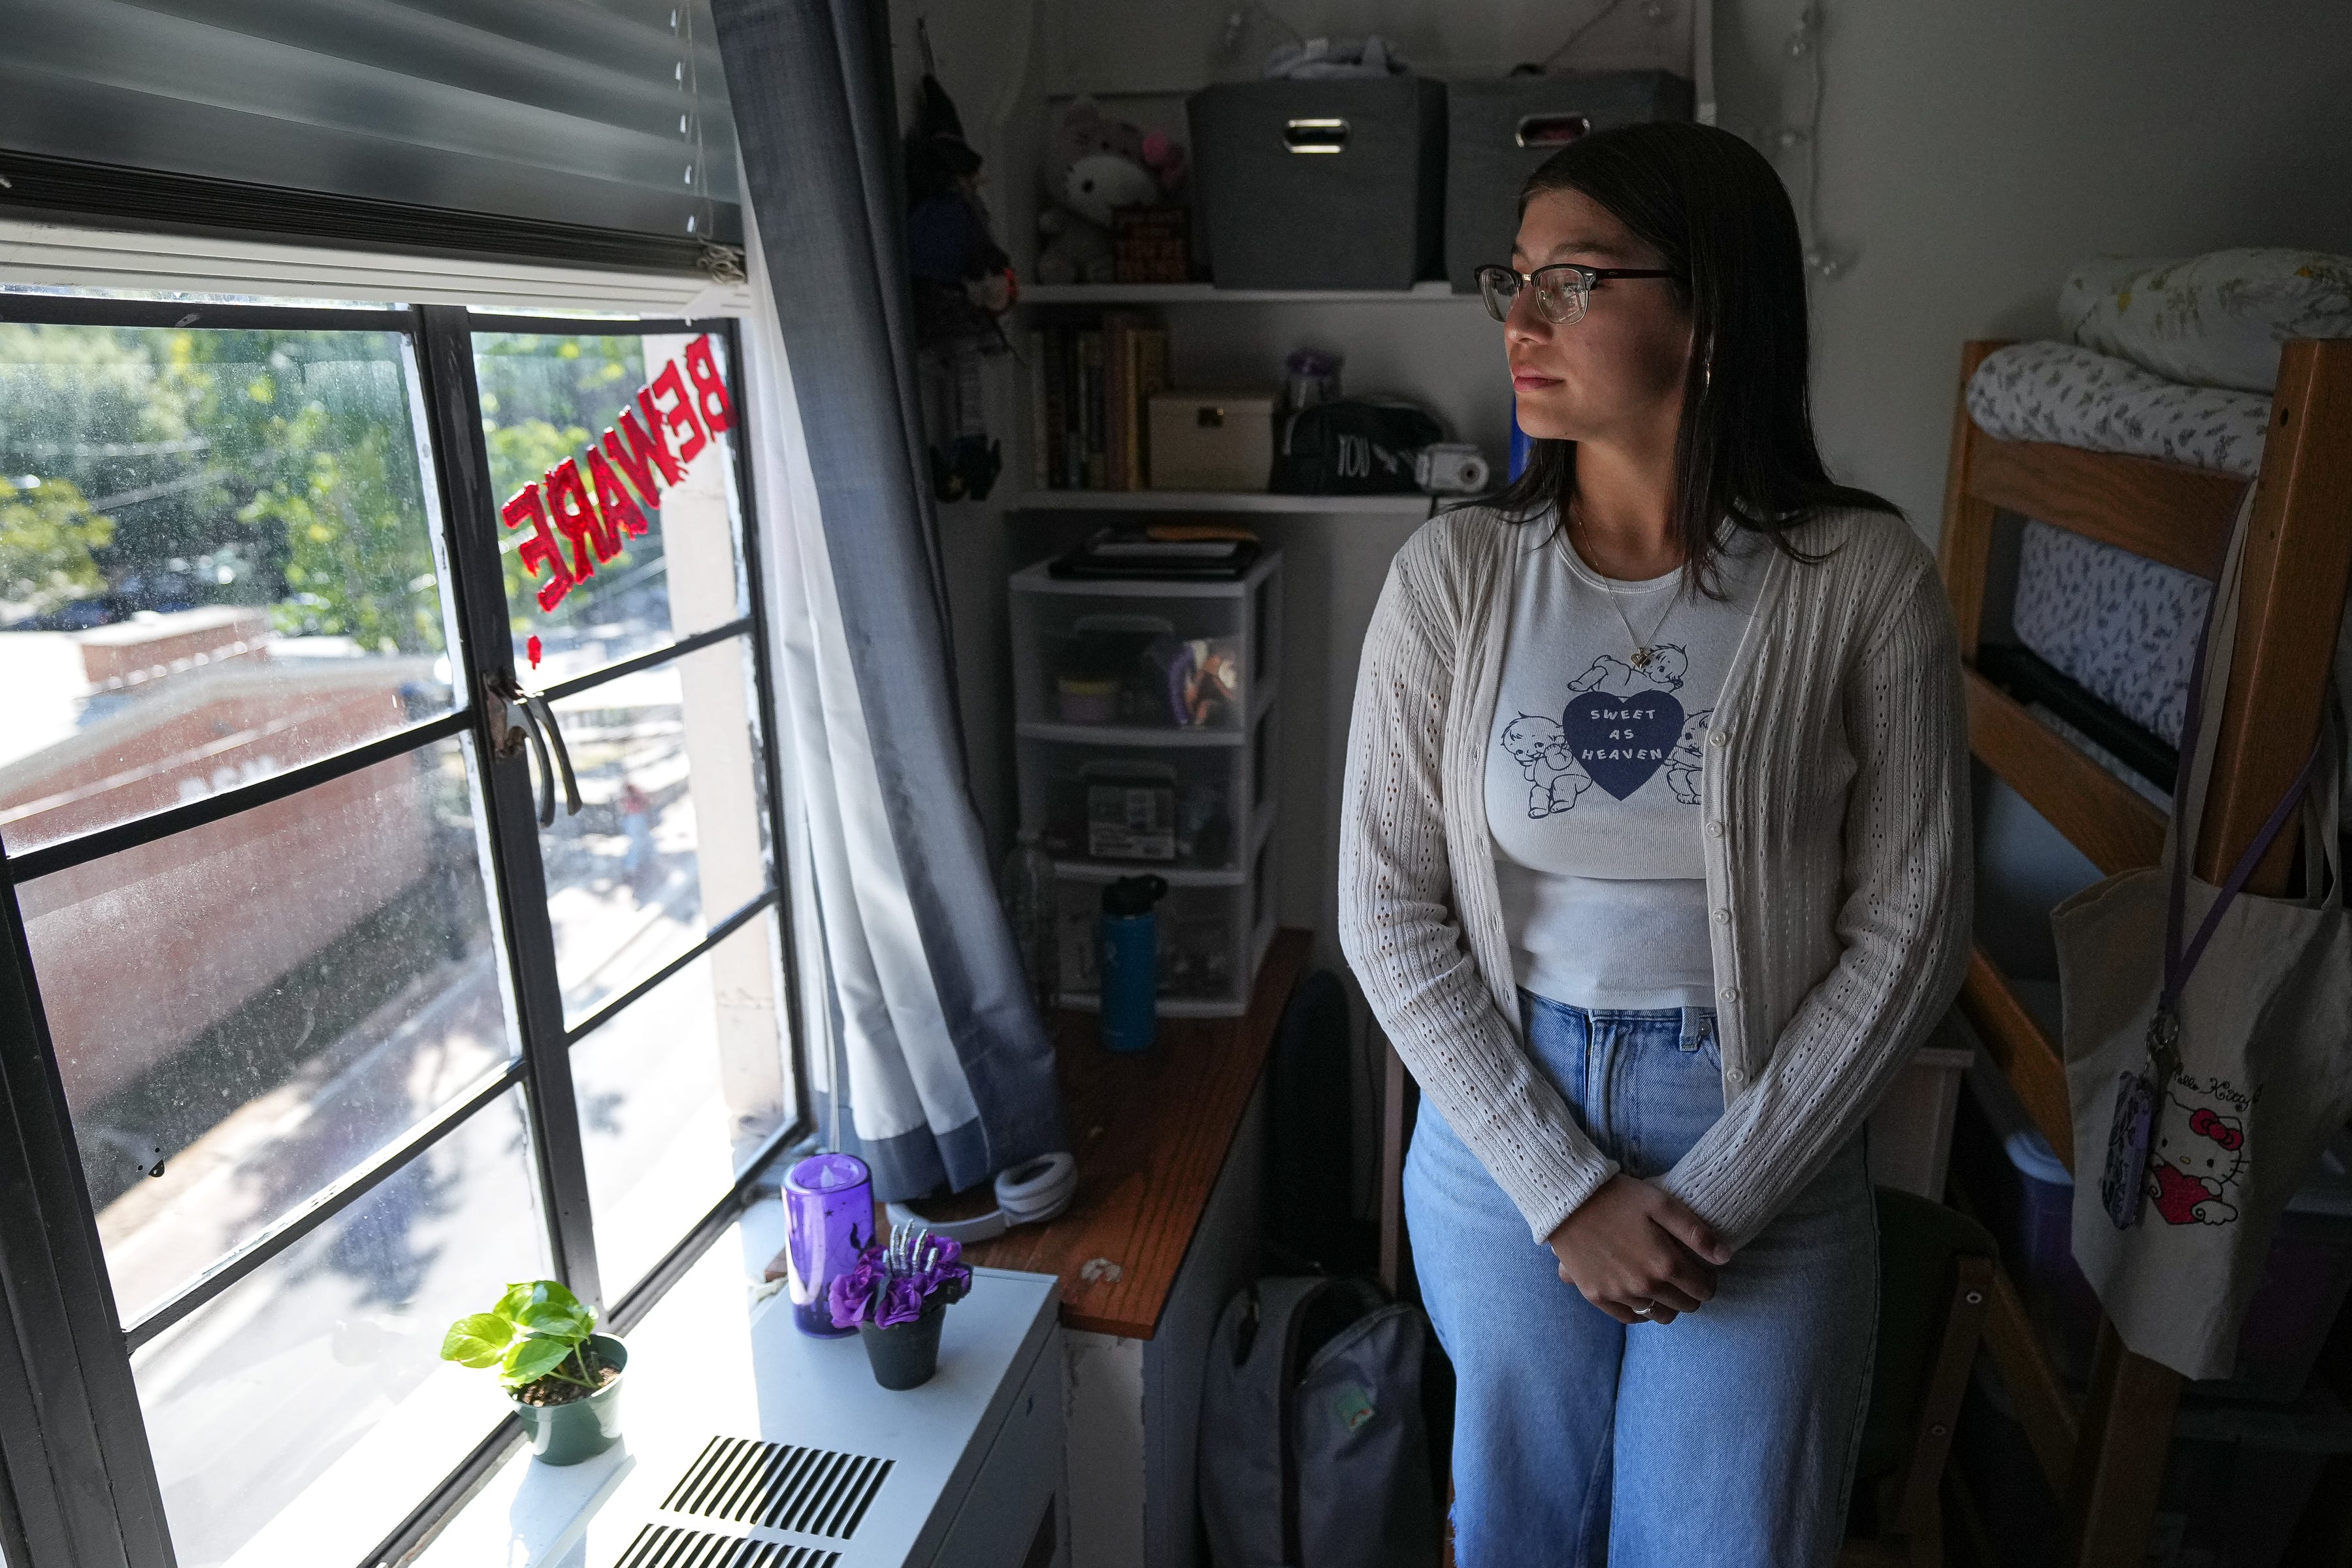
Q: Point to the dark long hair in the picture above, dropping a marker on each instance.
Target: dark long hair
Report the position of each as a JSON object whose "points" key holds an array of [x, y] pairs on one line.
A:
{"points": [[1717, 213]]}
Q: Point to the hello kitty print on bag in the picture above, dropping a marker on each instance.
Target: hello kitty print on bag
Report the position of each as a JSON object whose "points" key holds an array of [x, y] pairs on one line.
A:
{"points": [[2199, 1157]]}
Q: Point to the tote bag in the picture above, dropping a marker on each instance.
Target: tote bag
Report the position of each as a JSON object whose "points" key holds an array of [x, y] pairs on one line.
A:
{"points": [[2261, 1025]]}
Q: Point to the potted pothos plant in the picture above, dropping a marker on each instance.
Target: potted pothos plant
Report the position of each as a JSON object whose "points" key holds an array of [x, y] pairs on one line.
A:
{"points": [[563, 1376], [895, 1295]]}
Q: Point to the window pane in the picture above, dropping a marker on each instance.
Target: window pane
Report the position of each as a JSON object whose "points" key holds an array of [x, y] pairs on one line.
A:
{"points": [[670, 836], [627, 575], [676, 1093], [302, 1415], [219, 558], [262, 1003]]}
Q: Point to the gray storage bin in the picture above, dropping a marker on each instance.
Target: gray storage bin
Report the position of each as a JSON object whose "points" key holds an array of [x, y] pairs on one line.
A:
{"points": [[1498, 132], [1333, 183]]}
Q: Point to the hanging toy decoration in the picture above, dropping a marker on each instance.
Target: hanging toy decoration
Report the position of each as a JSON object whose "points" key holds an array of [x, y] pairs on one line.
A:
{"points": [[961, 282]]}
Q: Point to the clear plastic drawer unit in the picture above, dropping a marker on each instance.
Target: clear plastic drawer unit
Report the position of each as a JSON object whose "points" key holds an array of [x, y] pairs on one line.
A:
{"points": [[1146, 741]]}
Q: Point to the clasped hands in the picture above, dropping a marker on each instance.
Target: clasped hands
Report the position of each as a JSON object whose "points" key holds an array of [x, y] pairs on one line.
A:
{"points": [[1638, 1253]]}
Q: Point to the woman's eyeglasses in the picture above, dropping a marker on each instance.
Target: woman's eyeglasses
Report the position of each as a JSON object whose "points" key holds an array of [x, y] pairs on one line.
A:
{"points": [[1562, 289]]}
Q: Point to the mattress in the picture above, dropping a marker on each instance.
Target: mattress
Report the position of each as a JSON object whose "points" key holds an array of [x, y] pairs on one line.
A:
{"points": [[2074, 397], [2120, 625]]}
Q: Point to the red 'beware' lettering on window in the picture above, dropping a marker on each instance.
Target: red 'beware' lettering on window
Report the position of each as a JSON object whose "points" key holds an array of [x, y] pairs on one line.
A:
{"points": [[710, 398], [641, 456], [539, 549], [594, 513], [576, 520], [612, 501], [679, 415]]}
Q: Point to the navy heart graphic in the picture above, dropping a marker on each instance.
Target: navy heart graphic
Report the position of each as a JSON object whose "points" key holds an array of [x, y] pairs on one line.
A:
{"points": [[1622, 741]]}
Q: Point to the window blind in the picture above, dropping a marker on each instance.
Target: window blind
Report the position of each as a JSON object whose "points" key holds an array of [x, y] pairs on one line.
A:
{"points": [[587, 115]]}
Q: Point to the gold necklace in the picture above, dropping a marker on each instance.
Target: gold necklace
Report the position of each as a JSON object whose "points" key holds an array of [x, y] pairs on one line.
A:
{"points": [[1645, 648]]}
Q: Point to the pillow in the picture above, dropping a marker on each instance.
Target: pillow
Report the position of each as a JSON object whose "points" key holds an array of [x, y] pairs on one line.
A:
{"points": [[2215, 320]]}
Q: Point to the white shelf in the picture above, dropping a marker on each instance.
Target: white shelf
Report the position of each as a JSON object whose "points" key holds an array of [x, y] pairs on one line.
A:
{"points": [[1150, 735], [1038, 578], [1431, 291], [1221, 500], [1103, 872], [1144, 735], [1189, 1006]]}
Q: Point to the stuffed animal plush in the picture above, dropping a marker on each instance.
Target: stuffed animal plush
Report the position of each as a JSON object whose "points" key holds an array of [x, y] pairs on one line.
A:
{"points": [[1096, 164]]}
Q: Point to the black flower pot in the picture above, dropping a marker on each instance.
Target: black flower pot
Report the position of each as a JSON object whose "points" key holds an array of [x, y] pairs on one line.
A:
{"points": [[904, 1355]]}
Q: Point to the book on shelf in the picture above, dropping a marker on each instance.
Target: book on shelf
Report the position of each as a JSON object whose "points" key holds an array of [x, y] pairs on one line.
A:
{"points": [[1091, 409], [1090, 392]]}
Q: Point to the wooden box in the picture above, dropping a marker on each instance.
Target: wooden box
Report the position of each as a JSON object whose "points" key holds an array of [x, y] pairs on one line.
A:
{"points": [[1212, 440]]}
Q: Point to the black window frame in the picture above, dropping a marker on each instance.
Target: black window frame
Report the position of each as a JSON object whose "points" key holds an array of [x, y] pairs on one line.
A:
{"points": [[78, 1482]]}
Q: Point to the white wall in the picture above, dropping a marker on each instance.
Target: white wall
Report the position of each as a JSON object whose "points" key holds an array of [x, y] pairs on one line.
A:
{"points": [[1973, 151]]}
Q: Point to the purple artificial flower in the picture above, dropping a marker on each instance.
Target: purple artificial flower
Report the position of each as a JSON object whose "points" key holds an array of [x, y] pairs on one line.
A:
{"points": [[939, 1268], [953, 1281], [901, 1301], [851, 1296], [871, 1293]]}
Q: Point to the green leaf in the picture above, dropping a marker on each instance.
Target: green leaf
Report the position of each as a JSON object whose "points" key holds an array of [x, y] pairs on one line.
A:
{"points": [[555, 1293], [531, 1358], [551, 1308], [571, 1324], [478, 1340], [536, 1293]]}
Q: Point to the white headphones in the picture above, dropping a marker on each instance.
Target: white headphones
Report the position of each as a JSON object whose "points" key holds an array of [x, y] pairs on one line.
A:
{"points": [[1027, 1193]]}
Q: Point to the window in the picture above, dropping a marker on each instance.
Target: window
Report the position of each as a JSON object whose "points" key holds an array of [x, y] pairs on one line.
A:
{"points": [[346, 1037]]}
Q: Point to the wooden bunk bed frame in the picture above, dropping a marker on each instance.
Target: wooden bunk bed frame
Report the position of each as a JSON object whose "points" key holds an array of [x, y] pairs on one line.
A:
{"points": [[2105, 1459]]}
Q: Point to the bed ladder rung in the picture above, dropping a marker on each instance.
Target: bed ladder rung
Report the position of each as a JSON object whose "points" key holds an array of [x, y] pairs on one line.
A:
{"points": [[2099, 814], [2026, 1056]]}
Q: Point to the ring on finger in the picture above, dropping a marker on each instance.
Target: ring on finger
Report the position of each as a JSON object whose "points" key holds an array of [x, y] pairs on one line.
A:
{"points": [[1644, 1309]]}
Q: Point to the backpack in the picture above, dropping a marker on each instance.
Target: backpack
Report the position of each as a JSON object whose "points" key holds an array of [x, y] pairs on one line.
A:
{"points": [[1351, 448], [1313, 1450]]}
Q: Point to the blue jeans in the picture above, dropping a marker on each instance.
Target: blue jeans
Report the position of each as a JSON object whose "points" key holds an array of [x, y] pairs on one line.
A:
{"points": [[1727, 1436]]}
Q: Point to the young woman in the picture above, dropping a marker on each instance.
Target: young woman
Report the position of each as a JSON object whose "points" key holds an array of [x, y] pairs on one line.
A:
{"points": [[1654, 865]]}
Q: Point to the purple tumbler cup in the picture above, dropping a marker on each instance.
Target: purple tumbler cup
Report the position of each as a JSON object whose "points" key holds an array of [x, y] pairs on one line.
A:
{"points": [[829, 1220]]}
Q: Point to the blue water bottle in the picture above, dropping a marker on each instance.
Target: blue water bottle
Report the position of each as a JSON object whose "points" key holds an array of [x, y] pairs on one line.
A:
{"points": [[1126, 942], [1523, 445]]}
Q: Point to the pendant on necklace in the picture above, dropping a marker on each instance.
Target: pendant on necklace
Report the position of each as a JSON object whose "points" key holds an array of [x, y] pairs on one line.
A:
{"points": [[1642, 658]]}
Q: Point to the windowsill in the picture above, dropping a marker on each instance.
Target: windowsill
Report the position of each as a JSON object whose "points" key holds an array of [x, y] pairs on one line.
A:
{"points": [[709, 1361]]}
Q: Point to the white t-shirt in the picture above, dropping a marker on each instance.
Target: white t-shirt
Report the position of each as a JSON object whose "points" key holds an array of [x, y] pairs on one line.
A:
{"points": [[1592, 778]]}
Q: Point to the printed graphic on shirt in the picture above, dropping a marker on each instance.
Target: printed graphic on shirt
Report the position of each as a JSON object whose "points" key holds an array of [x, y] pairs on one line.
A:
{"points": [[1541, 749], [1621, 728]]}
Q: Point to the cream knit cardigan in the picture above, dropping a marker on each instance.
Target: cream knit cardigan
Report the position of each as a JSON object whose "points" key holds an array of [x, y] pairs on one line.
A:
{"points": [[1834, 800]]}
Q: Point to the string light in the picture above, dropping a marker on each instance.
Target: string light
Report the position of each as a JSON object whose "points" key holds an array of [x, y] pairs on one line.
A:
{"points": [[1800, 135]]}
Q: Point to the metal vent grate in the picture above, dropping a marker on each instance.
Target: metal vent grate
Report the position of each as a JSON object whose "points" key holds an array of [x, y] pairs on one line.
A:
{"points": [[667, 1546], [780, 1486]]}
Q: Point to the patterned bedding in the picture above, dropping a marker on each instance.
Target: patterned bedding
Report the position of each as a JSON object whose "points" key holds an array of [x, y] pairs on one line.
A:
{"points": [[2122, 626], [2069, 395]]}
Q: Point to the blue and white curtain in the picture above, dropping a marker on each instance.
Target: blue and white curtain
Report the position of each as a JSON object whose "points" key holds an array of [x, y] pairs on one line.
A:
{"points": [[939, 1071]]}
